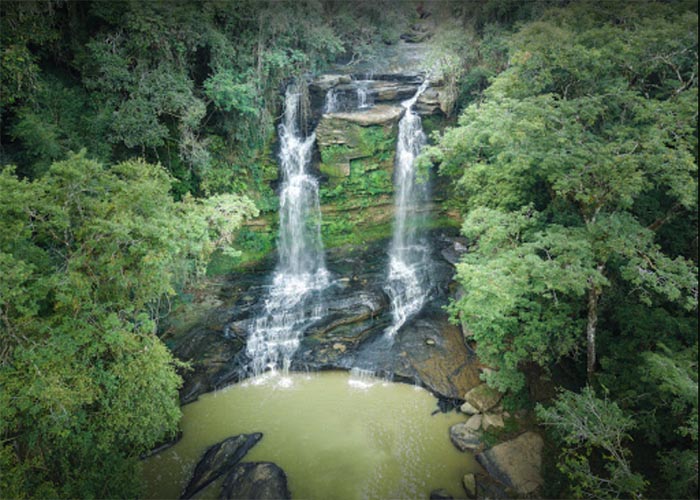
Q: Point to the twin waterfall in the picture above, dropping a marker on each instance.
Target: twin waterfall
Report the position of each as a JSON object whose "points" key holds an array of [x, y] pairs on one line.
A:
{"points": [[409, 258], [294, 300]]}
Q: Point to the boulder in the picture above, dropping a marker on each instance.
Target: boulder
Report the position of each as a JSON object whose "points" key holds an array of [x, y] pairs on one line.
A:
{"points": [[492, 420], [474, 422], [487, 488], [516, 463], [256, 481], [468, 409], [218, 459], [483, 397], [464, 438], [469, 483], [447, 367]]}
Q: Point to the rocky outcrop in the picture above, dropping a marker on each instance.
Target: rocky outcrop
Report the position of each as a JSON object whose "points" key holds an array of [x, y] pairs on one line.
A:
{"points": [[344, 137], [516, 463], [218, 459], [446, 367], [428, 351], [381, 114], [256, 481], [325, 82]]}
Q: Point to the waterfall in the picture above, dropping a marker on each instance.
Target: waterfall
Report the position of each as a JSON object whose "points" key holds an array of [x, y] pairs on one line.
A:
{"points": [[409, 257], [363, 101], [293, 299], [331, 103]]}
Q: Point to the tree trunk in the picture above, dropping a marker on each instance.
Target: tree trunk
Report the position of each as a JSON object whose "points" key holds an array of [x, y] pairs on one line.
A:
{"points": [[593, 297]]}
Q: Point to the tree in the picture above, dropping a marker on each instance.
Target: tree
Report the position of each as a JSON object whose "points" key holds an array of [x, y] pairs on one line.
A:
{"points": [[87, 255], [585, 139], [587, 425]]}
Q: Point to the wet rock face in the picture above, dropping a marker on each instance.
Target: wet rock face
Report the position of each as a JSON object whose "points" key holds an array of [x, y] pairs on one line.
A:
{"points": [[218, 459], [256, 481], [427, 351]]}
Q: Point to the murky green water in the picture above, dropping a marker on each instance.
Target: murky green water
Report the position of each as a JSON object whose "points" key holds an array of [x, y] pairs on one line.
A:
{"points": [[336, 437]]}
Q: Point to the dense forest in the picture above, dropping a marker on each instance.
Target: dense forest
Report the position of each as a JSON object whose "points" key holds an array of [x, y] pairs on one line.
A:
{"points": [[137, 138]]}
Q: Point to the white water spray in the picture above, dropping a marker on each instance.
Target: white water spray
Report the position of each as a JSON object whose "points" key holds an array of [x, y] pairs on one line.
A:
{"points": [[363, 97], [331, 102], [293, 300], [409, 258]]}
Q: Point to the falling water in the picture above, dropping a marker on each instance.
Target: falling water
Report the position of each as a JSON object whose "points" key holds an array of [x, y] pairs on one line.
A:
{"points": [[363, 101], [293, 300], [409, 260], [331, 103]]}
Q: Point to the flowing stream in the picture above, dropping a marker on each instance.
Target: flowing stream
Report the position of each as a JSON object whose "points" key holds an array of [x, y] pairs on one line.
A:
{"points": [[408, 276], [337, 436], [294, 299]]}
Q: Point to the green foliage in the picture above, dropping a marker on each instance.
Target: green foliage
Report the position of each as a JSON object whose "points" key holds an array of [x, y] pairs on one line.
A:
{"points": [[581, 160], [522, 281], [192, 85], [59, 120], [587, 425], [87, 255], [577, 175]]}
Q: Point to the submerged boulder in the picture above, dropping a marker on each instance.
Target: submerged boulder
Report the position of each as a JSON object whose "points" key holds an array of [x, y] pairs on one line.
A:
{"points": [[516, 463], [218, 459], [256, 481], [440, 494], [469, 483]]}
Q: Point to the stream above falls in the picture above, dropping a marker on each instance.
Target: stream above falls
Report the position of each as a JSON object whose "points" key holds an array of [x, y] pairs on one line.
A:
{"points": [[335, 434]]}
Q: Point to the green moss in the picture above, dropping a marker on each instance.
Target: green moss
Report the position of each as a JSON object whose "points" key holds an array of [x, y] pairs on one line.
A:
{"points": [[335, 153], [378, 142], [346, 230], [335, 170]]}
